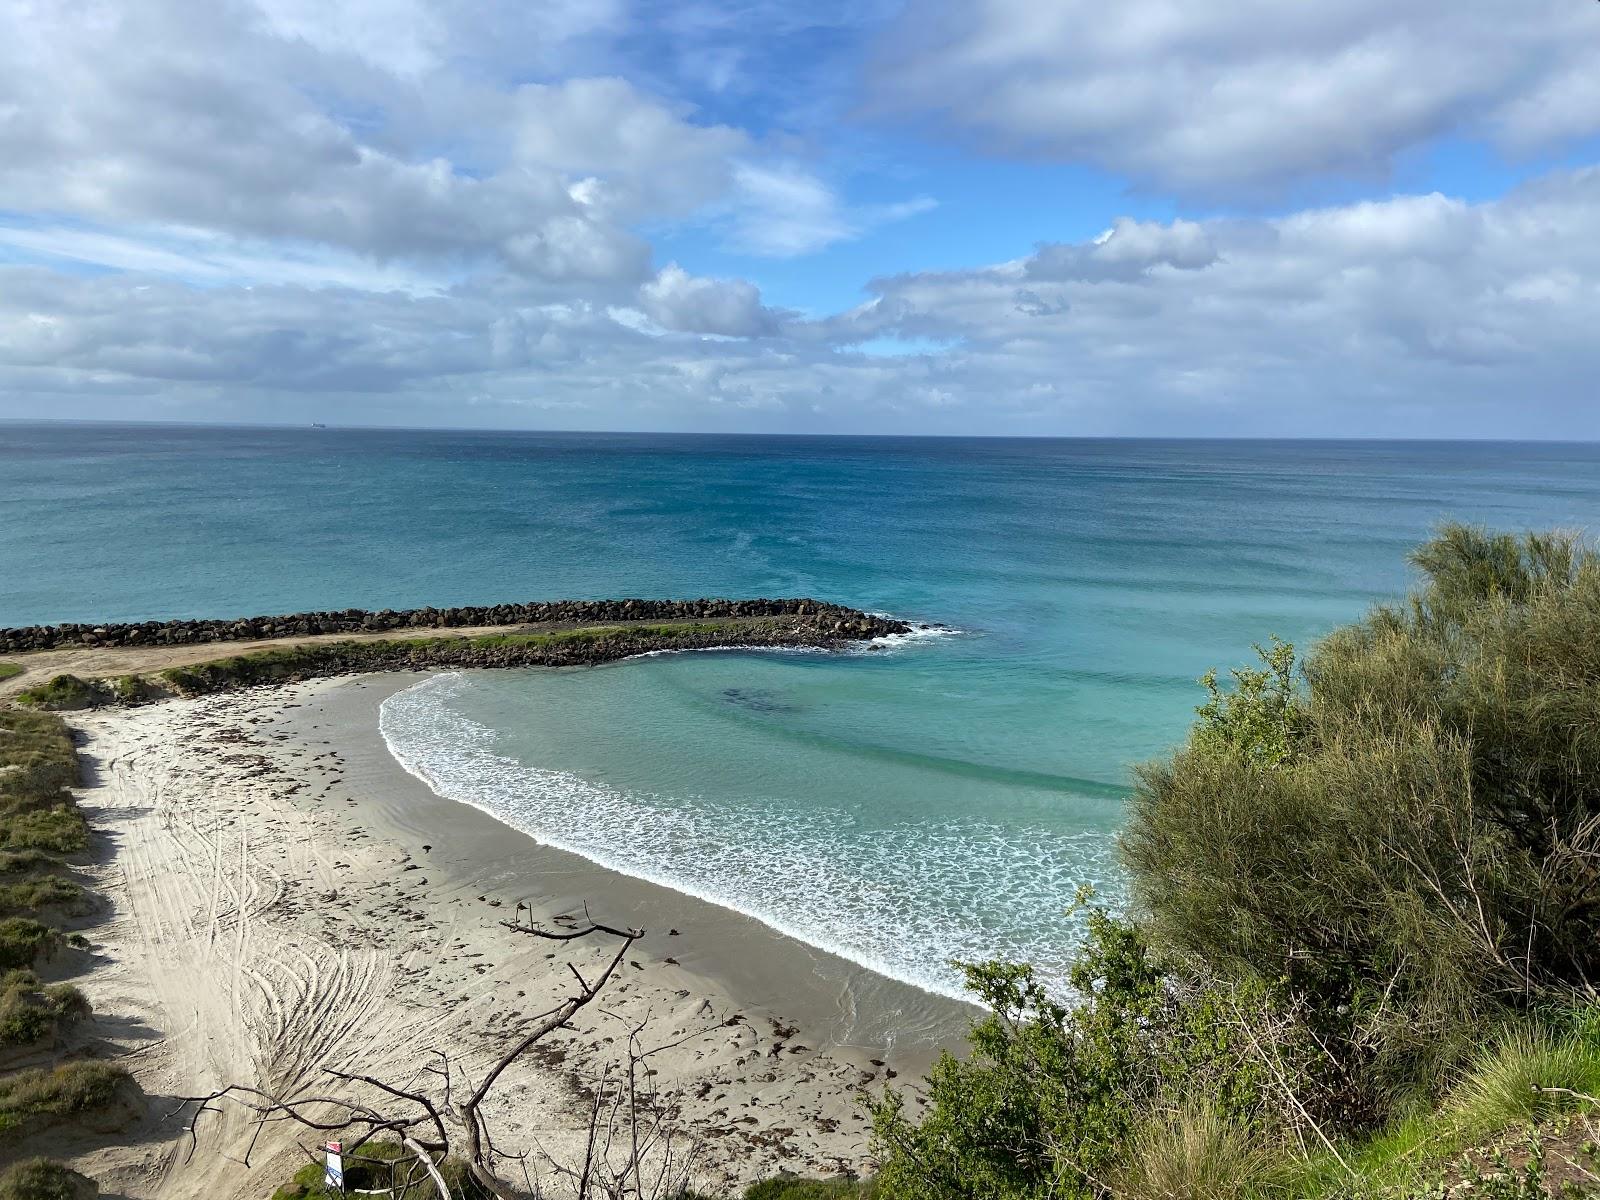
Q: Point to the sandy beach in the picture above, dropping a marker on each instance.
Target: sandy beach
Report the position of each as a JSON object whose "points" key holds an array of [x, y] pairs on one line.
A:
{"points": [[285, 899]]}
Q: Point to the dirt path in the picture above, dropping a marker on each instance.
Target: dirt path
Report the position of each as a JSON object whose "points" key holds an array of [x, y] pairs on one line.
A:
{"points": [[103, 662], [99, 662]]}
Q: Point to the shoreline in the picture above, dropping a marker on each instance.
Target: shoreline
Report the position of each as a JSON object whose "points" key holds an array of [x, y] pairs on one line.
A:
{"points": [[736, 956], [274, 863]]}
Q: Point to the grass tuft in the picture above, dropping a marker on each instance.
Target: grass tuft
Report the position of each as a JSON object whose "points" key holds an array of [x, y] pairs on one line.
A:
{"points": [[30, 1011], [1196, 1154], [23, 941], [41, 1179], [64, 1091], [1503, 1085], [32, 895]]}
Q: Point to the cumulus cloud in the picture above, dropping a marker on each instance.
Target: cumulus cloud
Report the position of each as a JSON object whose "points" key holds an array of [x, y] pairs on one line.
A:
{"points": [[1410, 316], [347, 125], [729, 307], [1247, 94]]}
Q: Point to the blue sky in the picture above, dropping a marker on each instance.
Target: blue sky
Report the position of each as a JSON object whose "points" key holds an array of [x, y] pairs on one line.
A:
{"points": [[992, 216]]}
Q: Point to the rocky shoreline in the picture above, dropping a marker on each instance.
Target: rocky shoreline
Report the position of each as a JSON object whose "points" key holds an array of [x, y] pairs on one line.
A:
{"points": [[837, 619]]}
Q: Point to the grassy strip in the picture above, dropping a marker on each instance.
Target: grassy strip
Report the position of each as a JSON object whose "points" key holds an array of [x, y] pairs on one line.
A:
{"points": [[64, 1091], [16, 862], [561, 647], [38, 767], [9, 670]]}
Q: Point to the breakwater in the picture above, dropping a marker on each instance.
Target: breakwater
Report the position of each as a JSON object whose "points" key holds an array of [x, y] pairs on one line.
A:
{"points": [[833, 619]]}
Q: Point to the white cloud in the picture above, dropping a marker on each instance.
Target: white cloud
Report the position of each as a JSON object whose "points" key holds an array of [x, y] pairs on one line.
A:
{"points": [[727, 307], [1417, 315], [1249, 93], [780, 210]]}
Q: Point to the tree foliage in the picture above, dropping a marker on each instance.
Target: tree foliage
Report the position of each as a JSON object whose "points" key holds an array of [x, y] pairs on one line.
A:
{"points": [[1357, 870]]}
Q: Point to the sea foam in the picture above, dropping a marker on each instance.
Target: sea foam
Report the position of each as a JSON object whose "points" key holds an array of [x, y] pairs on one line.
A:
{"points": [[903, 899]]}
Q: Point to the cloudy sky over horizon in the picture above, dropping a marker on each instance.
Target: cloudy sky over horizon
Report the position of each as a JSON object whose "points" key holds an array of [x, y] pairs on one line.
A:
{"points": [[1259, 217]]}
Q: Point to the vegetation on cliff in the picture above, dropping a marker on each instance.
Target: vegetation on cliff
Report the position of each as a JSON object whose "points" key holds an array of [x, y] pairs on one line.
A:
{"points": [[1365, 932], [40, 827]]}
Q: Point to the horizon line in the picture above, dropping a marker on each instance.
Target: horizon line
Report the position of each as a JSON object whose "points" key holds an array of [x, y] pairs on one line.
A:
{"points": [[323, 427]]}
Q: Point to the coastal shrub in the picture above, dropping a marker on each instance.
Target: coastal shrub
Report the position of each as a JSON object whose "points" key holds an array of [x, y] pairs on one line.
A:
{"points": [[23, 941], [17, 862], [64, 692], [30, 1011], [1411, 839], [63, 1091], [31, 895], [58, 831], [1049, 1094], [41, 1179]]}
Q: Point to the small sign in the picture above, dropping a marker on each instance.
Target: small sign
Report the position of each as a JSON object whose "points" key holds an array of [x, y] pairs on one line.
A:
{"points": [[333, 1174]]}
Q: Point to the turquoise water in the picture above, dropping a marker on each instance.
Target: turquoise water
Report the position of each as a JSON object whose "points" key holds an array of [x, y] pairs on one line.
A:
{"points": [[902, 805]]}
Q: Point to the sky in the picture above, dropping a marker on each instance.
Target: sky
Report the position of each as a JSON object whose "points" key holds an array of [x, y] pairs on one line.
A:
{"points": [[1354, 218]]}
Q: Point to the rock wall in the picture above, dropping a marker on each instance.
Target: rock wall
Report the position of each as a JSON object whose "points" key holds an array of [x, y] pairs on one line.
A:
{"points": [[846, 622]]}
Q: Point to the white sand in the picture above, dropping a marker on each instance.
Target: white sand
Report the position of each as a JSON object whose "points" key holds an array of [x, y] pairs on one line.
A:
{"points": [[275, 914]]}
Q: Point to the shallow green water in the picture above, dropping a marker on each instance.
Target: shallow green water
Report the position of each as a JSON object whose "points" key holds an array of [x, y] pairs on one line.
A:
{"points": [[902, 806]]}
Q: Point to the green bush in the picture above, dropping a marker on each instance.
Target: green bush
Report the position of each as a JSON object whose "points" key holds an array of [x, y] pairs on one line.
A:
{"points": [[30, 1011], [68, 1090], [23, 941], [1410, 840], [58, 830], [31, 895], [64, 692], [41, 1179], [1049, 1094]]}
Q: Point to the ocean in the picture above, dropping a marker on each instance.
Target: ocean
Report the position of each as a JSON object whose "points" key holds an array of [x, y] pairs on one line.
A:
{"points": [[939, 797]]}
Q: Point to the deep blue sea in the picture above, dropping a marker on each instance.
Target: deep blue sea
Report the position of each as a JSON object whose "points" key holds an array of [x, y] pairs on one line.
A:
{"points": [[903, 805]]}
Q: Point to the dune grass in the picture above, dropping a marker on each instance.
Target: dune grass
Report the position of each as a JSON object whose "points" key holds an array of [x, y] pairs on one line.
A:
{"points": [[23, 941], [31, 1011], [9, 670], [1528, 1074], [63, 1091], [551, 647], [63, 692], [1197, 1151], [38, 767], [44, 891], [41, 1179]]}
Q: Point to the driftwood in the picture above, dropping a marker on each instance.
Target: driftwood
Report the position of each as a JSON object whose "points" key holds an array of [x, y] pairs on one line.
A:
{"points": [[628, 1117]]}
